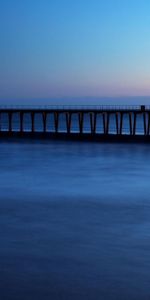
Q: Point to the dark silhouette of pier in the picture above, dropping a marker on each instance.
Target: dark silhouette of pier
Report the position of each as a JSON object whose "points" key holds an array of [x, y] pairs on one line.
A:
{"points": [[92, 113]]}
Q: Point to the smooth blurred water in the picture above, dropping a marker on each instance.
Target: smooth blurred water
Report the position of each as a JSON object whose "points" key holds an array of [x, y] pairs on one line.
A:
{"points": [[74, 221]]}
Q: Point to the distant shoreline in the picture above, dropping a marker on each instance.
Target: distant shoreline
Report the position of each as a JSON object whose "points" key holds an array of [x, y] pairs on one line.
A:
{"points": [[85, 137]]}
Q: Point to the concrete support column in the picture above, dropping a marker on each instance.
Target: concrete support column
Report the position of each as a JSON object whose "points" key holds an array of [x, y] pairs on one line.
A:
{"points": [[32, 121], [21, 121], [107, 123], [121, 122], [95, 123], [80, 117], [44, 115], [91, 122], [130, 123], [56, 121], [104, 123], [10, 122], [134, 124], [148, 126], [68, 122], [117, 123], [144, 121]]}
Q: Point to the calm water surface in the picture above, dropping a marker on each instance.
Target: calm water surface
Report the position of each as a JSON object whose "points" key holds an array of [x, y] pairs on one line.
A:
{"points": [[74, 221]]}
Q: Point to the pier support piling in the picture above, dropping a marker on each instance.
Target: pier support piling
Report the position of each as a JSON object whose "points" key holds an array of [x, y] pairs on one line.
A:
{"points": [[107, 123], [21, 122], [130, 123], [121, 122], [95, 123], [148, 126], [10, 121], [134, 124], [80, 117], [68, 122], [144, 121], [91, 123], [117, 123], [44, 115], [104, 123], [32, 121], [56, 121]]}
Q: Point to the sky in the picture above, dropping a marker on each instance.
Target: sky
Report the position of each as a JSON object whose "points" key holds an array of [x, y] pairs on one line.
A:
{"points": [[67, 48]]}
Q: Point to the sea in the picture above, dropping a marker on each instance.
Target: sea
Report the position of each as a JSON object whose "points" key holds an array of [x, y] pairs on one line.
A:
{"points": [[74, 220]]}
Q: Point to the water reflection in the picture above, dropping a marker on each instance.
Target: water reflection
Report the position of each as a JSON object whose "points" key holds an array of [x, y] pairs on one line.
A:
{"points": [[74, 221]]}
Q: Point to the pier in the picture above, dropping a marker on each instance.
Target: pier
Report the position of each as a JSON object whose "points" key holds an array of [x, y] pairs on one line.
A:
{"points": [[93, 115]]}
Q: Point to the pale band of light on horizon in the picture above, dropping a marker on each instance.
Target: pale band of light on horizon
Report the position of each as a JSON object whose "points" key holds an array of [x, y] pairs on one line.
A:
{"points": [[83, 48]]}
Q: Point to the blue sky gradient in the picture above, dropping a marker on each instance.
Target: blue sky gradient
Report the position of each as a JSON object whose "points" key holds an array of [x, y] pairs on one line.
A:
{"points": [[66, 48]]}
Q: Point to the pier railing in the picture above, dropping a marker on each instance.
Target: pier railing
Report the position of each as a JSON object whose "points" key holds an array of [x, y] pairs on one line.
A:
{"points": [[77, 107]]}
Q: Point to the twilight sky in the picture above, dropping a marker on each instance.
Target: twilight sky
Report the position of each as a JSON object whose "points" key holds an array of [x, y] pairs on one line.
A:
{"points": [[59, 48]]}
